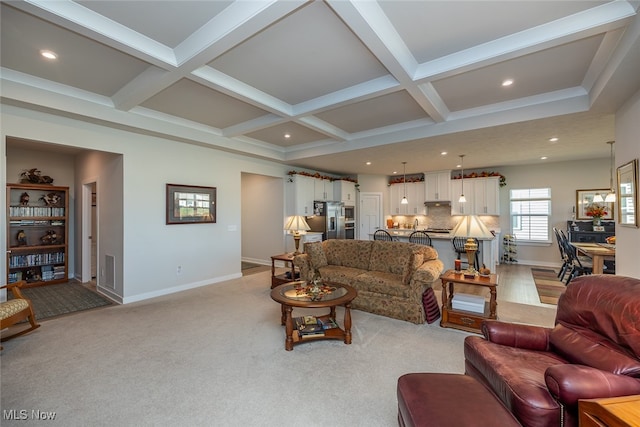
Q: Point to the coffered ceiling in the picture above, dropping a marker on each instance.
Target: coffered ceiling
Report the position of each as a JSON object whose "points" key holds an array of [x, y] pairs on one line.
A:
{"points": [[350, 82]]}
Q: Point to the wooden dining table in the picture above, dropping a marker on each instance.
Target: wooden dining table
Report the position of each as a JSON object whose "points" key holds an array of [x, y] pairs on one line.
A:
{"points": [[598, 252]]}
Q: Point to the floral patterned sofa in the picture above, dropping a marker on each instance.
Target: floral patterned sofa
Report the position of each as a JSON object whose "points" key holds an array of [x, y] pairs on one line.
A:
{"points": [[390, 277]]}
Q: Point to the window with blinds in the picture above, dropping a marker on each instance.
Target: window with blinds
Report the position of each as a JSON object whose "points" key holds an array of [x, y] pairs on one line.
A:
{"points": [[530, 211]]}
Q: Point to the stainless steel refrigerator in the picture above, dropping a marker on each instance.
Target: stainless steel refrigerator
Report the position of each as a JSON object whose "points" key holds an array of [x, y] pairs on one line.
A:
{"points": [[328, 219]]}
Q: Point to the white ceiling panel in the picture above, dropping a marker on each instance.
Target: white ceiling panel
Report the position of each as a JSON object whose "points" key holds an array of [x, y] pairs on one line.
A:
{"points": [[168, 22], [385, 110], [306, 55], [83, 63], [537, 73], [198, 103], [434, 29]]}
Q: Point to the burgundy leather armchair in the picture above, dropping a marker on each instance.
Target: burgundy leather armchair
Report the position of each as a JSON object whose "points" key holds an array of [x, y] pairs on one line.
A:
{"points": [[593, 351]]}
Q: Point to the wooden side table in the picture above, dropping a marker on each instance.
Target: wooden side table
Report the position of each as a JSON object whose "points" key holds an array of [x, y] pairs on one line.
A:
{"points": [[467, 320], [611, 412], [279, 279]]}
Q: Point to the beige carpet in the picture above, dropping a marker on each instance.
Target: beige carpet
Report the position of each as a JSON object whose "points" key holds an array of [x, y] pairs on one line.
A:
{"points": [[547, 284], [215, 356]]}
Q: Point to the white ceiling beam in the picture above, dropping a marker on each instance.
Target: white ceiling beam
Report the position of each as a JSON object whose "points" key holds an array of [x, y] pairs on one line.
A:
{"points": [[369, 22], [75, 17], [593, 21]]}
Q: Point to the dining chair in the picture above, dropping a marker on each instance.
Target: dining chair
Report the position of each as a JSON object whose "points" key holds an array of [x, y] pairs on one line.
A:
{"points": [[382, 235], [566, 264], [579, 265], [420, 237]]}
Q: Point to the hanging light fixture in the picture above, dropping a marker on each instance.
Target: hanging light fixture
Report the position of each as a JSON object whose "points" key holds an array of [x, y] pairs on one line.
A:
{"points": [[611, 195], [598, 198], [462, 199], [404, 200]]}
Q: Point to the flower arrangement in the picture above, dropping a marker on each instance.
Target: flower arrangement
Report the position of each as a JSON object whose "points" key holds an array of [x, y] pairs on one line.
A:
{"points": [[503, 179], [594, 210]]}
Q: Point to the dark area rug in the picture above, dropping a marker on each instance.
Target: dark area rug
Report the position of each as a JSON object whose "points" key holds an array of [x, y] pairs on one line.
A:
{"points": [[62, 298], [547, 284]]}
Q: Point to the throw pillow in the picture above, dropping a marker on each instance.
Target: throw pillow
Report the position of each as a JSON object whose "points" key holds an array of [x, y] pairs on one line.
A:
{"points": [[317, 257], [415, 260]]}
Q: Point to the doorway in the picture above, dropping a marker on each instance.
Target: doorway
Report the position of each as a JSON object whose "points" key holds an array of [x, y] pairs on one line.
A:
{"points": [[89, 232], [370, 214]]}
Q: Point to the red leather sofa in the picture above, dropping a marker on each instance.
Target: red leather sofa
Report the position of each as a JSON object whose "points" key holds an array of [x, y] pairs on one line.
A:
{"points": [[593, 351]]}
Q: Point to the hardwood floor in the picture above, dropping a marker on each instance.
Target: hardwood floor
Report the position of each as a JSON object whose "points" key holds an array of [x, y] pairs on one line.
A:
{"points": [[516, 285]]}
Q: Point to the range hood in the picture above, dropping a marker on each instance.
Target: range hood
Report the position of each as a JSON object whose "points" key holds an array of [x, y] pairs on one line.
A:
{"points": [[437, 203]]}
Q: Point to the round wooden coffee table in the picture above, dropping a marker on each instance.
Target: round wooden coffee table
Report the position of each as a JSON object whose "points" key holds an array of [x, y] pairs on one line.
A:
{"points": [[288, 298]]}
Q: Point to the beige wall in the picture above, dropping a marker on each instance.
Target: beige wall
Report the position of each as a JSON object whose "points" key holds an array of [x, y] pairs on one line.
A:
{"points": [[627, 148]]}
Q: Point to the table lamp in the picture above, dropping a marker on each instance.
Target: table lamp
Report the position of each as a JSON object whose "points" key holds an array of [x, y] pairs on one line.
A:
{"points": [[297, 226], [471, 227]]}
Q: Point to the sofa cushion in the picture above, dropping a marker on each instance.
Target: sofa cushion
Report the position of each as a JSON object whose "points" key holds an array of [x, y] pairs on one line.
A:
{"points": [[382, 283], [390, 257], [348, 253], [416, 260], [612, 310], [585, 347], [517, 377], [317, 257], [339, 274]]}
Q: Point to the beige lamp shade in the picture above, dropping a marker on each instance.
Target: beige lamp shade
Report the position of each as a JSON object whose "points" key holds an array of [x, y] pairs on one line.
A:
{"points": [[296, 225], [470, 226]]}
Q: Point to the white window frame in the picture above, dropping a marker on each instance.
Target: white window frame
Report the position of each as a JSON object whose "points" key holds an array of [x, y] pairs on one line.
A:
{"points": [[517, 217]]}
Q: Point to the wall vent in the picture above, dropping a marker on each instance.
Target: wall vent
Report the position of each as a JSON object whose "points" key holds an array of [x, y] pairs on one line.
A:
{"points": [[110, 271]]}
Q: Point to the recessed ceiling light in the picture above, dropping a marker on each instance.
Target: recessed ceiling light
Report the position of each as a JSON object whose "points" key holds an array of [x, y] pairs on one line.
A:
{"points": [[507, 82], [444, 153], [49, 54], [553, 139], [287, 135], [458, 166], [368, 163], [543, 158], [395, 172]]}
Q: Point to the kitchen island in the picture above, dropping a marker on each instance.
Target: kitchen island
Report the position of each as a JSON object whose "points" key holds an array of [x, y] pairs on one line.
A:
{"points": [[441, 242]]}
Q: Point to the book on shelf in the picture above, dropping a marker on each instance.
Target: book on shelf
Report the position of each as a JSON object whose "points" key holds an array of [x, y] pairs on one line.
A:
{"points": [[311, 329], [327, 323]]}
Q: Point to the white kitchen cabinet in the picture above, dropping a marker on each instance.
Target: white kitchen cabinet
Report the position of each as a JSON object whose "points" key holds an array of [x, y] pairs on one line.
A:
{"points": [[458, 208], [486, 196], [415, 196], [323, 189], [300, 196], [346, 190], [437, 186], [482, 194], [396, 192]]}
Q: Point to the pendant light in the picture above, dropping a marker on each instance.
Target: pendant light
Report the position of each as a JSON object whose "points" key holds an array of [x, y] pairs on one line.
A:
{"points": [[611, 196], [404, 200], [462, 199]]}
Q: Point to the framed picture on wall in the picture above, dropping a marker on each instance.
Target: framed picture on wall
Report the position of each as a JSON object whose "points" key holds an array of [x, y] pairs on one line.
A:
{"points": [[189, 204], [628, 194], [584, 200]]}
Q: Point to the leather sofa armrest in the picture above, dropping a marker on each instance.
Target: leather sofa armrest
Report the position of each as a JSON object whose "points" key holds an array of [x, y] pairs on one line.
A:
{"points": [[568, 383], [516, 335]]}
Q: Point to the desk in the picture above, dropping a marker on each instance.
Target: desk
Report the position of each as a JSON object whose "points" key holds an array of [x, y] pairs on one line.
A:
{"points": [[287, 277], [615, 411], [597, 252], [465, 320]]}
